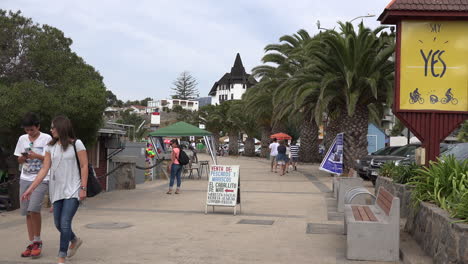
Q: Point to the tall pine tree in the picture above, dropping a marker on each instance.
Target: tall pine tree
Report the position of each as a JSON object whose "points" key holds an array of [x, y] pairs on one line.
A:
{"points": [[185, 87]]}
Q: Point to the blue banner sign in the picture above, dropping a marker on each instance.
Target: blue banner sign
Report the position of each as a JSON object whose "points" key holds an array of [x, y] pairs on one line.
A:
{"points": [[333, 161]]}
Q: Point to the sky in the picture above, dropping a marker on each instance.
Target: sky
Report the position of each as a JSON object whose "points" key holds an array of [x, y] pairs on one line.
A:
{"points": [[141, 46]]}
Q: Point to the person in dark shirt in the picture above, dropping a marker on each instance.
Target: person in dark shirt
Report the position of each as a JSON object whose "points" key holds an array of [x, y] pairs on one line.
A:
{"points": [[281, 159]]}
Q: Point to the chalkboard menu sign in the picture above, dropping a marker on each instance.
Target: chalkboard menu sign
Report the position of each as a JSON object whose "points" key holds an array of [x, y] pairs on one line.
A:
{"points": [[223, 186]]}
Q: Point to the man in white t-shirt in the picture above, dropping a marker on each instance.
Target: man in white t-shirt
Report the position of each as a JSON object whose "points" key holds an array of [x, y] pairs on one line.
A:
{"points": [[273, 153], [30, 151]]}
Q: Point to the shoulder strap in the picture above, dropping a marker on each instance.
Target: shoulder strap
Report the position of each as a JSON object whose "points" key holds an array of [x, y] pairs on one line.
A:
{"points": [[178, 155], [76, 157]]}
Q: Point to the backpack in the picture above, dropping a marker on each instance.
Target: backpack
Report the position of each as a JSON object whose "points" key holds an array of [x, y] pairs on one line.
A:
{"points": [[183, 157], [93, 187]]}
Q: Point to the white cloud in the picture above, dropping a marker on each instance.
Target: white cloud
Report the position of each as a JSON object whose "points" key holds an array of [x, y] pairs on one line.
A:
{"points": [[141, 46]]}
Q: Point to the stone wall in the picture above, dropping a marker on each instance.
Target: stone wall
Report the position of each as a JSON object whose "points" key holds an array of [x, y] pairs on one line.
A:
{"points": [[402, 191], [437, 235]]}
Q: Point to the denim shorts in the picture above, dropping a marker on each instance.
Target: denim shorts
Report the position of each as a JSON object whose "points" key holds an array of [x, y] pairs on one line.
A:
{"points": [[34, 204]]}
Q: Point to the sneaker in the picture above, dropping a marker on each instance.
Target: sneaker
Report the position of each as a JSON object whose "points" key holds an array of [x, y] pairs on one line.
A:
{"points": [[27, 252], [36, 250], [72, 251]]}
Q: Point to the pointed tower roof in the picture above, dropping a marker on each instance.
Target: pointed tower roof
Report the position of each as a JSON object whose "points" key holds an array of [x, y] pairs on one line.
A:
{"points": [[238, 69], [237, 75]]}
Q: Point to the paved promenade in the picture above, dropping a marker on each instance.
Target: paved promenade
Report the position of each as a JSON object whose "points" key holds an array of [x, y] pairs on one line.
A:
{"points": [[289, 219]]}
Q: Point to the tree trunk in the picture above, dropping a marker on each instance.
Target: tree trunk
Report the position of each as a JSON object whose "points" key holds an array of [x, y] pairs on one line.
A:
{"points": [[216, 141], [309, 151], [279, 127], [331, 130], [233, 143], [249, 147], [265, 141], [355, 137]]}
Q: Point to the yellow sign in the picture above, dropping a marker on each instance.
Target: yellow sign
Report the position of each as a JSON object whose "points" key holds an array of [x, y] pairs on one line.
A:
{"points": [[434, 65]]}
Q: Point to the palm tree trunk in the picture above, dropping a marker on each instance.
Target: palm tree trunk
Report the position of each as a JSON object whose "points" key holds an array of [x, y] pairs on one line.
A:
{"points": [[309, 151], [355, 137], [331, 130], [249, 147], [216, 141], [233, 143], [279, 127], [265, 141]]}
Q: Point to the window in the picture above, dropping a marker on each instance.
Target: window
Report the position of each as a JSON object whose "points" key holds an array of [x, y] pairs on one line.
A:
{"points": [[232, 96]]}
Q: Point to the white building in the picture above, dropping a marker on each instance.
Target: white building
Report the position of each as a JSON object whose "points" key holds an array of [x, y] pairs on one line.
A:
{"points": [[153, 106], [138, 109], [158, 105], [232, 85]]}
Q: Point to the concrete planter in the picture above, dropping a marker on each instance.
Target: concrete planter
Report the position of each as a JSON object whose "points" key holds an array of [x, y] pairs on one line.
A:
{"points": [[437, 235], [402, 191]]}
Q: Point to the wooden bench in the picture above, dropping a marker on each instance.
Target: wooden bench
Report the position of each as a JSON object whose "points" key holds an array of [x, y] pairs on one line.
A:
{"points": [[359, 195], [373, 231]]}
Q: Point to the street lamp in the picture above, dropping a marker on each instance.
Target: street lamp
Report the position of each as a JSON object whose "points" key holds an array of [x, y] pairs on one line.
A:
{"points": [[368, 15]]}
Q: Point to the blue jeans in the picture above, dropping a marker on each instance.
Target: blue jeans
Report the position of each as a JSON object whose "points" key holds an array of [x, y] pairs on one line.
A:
{"points": [[64, 210], [176, 170]]}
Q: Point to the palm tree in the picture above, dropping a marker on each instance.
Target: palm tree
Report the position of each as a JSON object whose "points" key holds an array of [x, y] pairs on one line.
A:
{"points": [[246, 124], [234, 112], [260, 98], [298, 94], [258, 104], [356, 75], [212, 117]]}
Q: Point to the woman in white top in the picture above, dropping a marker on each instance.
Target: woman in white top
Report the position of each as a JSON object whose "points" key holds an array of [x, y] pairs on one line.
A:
{"points": [[66, 186]]}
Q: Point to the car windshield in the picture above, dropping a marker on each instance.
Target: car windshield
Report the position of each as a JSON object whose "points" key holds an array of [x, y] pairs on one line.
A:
{"points": [[405, 151], [381, 151], [386, 151], [460, 151]]}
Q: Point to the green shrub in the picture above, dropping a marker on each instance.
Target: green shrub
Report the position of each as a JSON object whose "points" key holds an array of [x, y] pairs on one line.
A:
{"points": [[400, 174], [444, 183], [387, 169], [404, 173]]}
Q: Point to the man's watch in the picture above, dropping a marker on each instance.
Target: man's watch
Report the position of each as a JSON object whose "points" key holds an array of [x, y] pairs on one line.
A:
{"points": [[83, 188]]}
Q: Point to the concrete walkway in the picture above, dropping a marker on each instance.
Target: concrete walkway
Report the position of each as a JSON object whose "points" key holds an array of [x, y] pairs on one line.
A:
{"points": [[299, 223]]}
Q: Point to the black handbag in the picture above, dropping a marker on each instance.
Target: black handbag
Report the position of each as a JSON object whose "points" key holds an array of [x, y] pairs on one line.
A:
{"points": [[93, 187]]}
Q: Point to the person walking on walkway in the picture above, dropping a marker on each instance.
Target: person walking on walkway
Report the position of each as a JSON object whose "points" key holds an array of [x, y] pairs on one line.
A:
{"points": [[67, 187], [273, 152], [174, 167], [294, 155], [281, 158], [30, 151]]}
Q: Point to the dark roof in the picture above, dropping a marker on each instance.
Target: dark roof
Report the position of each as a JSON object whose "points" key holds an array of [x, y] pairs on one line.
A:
{"points": [[237, 75], [238, 69], [423, 8]]}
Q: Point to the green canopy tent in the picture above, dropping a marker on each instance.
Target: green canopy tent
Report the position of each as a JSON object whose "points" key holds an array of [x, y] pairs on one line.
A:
{"points": [[182, 129]]}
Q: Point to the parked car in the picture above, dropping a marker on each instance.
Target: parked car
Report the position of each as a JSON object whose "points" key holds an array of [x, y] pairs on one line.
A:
{"points": [[459, 151], [257, 150], [403, 156], [241, 150], [362, 165]]}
